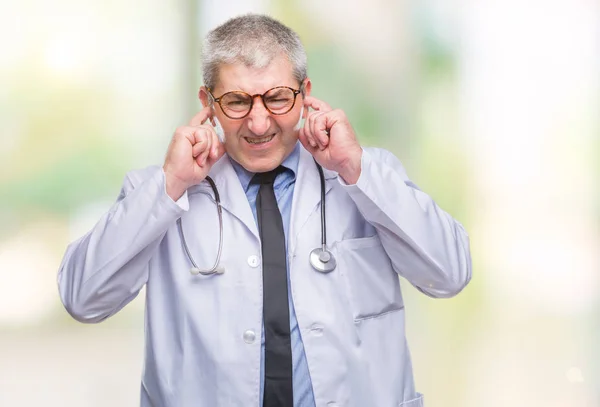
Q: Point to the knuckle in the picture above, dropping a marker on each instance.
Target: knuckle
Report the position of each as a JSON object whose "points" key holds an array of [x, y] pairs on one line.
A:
{"points": [[200, 135], [181, 130]]}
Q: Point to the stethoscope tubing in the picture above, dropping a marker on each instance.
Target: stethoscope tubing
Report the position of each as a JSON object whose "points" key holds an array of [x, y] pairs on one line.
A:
{"points": [[217, 269]]}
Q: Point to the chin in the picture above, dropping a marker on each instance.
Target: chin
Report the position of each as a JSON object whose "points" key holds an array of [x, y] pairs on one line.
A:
{"points": [[261, 159], [261, 165]]}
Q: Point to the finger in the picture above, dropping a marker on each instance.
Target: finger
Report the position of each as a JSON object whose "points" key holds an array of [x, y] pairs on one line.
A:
{"points": [[214, 144], [201, 159], [216, 147], [196, 136], [311, 120], [208, 133], [198, 144], [199, 140], [201, 116], [307, 131], [220, 151], [197, 149], [316, 104], [320, 130], [193, 134], [200, 134], [316, 128], [302, 136]]}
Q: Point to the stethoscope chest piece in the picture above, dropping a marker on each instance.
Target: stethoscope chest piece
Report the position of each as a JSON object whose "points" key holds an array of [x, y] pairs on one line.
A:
{"points": [[322, 260]]}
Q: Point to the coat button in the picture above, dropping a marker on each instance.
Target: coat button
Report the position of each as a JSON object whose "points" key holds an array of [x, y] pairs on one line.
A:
{"points": [[249, 336], [253, 261], [316, 329]]}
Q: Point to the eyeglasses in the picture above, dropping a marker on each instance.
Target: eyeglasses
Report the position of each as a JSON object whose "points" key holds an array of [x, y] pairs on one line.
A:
{"points": [[238, 104]]}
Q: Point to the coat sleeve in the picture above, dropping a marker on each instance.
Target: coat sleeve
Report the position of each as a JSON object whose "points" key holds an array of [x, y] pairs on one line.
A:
{"points": [[425, 244], [105, 269]]}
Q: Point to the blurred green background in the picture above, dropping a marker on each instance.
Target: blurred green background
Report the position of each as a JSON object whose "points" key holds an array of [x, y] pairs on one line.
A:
{"points": [[492, 107]]}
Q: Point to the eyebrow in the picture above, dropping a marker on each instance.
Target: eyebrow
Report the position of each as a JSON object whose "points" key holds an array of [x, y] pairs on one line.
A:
{"points": [[237, 96], [278, 91], [241, 89]]}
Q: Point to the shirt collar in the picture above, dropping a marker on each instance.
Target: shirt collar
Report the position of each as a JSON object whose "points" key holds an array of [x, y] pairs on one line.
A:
{"points": [[290, 162]]}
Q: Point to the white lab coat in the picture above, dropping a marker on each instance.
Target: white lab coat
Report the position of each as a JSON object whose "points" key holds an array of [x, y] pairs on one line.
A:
{"points": [[200, 349]]}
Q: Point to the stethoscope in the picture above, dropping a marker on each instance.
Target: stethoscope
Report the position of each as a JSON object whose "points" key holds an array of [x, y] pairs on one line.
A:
{"points": [[320, 258]]}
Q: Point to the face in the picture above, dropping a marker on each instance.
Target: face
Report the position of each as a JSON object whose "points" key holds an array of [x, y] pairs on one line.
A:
{"points": [[261, 140]]}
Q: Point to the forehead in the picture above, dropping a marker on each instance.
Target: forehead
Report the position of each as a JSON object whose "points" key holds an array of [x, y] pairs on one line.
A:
{"points": [[238, 76]]}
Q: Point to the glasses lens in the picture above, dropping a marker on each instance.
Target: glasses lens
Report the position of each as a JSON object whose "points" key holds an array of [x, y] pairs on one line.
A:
{"points": [[279, 100], [236, 104]]}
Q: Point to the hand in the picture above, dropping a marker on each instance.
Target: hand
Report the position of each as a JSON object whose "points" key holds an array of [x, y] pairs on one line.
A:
{"points": [[329, 137], [192, 152]]}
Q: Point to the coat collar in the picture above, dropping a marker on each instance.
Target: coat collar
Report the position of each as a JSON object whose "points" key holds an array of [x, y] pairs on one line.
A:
{"points": [[307, 192], [232, 195]]}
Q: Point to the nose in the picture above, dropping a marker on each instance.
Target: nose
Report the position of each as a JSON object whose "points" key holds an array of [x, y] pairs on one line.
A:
{"points": [[259, 118]]}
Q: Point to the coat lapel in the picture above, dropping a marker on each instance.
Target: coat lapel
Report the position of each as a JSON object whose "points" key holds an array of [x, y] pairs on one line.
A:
{"points": [[307, 194], [306, 200], [232, 195]]}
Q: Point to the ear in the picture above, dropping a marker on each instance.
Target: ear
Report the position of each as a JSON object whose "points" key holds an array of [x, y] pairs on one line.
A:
{"points": [[204, 96], [307, 87]]}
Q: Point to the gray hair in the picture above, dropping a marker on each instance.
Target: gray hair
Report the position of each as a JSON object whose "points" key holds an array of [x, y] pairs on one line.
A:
{"points": [[253, 40]]}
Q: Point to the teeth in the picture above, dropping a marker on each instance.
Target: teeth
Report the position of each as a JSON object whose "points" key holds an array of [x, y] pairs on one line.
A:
{"points": [[260, 140]]}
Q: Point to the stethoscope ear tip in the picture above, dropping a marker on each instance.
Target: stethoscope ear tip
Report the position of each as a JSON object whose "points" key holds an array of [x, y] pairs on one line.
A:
{"points": [[220, 270], [195, 271]]}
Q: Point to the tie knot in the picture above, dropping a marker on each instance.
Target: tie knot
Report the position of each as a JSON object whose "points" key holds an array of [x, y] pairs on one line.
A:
{"points": [[266, 177]]}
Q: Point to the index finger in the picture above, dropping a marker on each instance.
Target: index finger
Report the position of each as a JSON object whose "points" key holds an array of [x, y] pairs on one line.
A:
{"points": [[316, 104], [201, 116]]}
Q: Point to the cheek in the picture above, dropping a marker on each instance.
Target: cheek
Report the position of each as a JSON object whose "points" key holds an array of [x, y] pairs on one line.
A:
{"points": [[231, 129], [286, 124]]}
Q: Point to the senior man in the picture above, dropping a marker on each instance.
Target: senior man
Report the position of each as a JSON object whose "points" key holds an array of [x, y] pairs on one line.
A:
{"points": [[295, 234]]}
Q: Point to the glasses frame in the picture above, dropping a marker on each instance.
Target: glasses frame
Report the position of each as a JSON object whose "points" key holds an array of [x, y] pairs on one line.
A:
{"points": [[252, 97]]}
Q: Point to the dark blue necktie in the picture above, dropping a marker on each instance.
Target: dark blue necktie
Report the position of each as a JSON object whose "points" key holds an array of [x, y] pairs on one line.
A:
{"points": [[278, 350]]}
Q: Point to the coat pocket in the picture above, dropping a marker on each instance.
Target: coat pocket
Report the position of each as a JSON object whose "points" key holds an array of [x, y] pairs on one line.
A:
{"points": [[373, 285], [416, 402]]}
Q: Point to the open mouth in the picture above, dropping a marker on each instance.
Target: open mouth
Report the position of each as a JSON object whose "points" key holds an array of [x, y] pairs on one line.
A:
{"points": [[261, 140]]}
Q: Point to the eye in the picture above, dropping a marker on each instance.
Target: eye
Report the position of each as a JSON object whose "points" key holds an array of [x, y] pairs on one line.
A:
{"points": [[237, 103]]}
